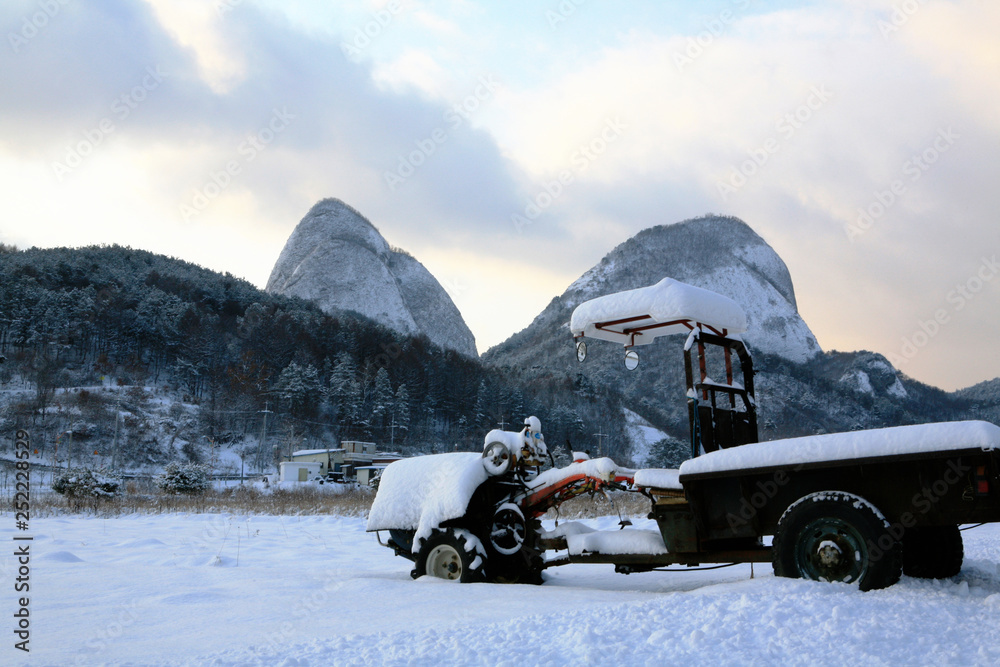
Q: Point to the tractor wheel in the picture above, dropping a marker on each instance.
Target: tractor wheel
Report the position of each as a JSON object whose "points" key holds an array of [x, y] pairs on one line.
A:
{"points": [[509, 565], [932, 552], [453, 554], [836, 536], [507, 530]]}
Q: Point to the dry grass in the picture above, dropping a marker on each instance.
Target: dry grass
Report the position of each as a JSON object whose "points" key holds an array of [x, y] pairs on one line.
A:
{"points": [[307, 499], [247, 499], [590, 507]]}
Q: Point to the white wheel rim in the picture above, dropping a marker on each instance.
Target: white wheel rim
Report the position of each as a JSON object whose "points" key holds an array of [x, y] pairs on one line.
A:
{"points": [[444, 562]]}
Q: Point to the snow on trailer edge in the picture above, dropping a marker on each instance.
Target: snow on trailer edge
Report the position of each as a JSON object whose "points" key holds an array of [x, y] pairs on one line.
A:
{"points": [[828, 447]]}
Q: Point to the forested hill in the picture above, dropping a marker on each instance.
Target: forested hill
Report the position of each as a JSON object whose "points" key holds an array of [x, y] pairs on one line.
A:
{"points": [[146, 358]]}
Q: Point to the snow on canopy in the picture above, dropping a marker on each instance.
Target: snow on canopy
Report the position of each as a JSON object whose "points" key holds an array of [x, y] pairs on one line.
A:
{"points": [[423, 492], [669, 302], [897, 440]]}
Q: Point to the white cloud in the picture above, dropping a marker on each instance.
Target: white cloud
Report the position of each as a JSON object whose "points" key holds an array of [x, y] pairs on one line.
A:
{"points": [[195, 24]]}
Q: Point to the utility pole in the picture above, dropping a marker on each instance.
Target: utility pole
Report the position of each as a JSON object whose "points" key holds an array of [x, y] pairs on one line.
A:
{"points": [[263, 432], [114, 443], [600, 443]]}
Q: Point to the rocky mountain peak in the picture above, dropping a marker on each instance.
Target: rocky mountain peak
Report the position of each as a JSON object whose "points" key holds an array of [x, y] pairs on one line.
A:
{"points": [[722, 254], [338, 259]]}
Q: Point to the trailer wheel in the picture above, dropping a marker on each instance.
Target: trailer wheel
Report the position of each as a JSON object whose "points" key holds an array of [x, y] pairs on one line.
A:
{"points": [[932, 552], [836, 536], [453, 554]]}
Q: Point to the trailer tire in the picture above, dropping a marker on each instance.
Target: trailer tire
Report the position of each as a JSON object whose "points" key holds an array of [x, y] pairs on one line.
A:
{"points": [[932, 552], [836, 536], [453, 554]]}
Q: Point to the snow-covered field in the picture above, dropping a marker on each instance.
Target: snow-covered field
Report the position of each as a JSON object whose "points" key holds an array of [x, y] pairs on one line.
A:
{"points": [[318, 590]]}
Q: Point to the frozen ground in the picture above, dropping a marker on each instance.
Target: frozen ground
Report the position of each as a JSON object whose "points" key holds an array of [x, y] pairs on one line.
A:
{"points": [[318, 590]]}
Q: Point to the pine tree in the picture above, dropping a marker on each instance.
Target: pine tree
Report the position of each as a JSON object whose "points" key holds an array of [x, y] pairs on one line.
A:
{"points": [[401, 413], [381, 403]]}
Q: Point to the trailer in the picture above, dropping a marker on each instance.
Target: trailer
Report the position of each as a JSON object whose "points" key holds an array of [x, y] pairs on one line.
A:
{"points": [[860, 508]]}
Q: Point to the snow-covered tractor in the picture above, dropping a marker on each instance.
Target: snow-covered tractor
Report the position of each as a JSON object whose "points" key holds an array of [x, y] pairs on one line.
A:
{"points": [[860, 508], [475, 517]]}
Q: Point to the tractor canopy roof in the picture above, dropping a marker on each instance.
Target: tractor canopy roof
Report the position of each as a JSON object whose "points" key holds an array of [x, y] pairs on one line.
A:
{"points": [[639, 316]]}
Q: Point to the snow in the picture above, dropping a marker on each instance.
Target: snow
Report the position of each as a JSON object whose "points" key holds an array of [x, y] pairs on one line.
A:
{"points": [[658, 478], [318, 590], [642, 436], [916, 439], [666, 301], [422, 492], [513, 441], [314, 452], [566, 529], [611, 542], [603, 469], [897, 389]]}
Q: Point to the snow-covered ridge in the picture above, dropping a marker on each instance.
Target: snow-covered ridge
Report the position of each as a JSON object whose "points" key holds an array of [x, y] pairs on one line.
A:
{"points": [[898, 440]]}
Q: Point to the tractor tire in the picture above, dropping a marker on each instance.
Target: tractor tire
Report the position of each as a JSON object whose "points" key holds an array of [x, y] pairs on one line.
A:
{"points": [[932, 552], [453, 554], [836, 536], [521, 566]]}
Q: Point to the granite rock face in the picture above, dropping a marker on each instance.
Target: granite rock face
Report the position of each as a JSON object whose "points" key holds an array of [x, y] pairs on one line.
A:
{"points": [[336, 258]]}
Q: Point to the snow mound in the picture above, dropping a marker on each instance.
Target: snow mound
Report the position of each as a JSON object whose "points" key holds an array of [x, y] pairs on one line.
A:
{"points": [[616, 542], [61, 557], [916, 439], [423, 492]]}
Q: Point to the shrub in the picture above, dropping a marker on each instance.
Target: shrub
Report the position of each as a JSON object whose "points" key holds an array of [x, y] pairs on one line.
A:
{"points": [[186, 478], [80, 485]]}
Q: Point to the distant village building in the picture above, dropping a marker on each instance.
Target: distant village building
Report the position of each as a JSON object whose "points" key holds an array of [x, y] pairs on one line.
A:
{"points": [[352, 460], [298, 471]]}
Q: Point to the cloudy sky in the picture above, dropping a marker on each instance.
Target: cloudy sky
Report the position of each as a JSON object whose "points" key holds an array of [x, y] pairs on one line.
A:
{"points": [[861, 139]]}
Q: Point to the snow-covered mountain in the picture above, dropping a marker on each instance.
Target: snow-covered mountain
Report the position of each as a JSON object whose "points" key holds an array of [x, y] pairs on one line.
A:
{"points": [[336, 258], [800, 389], [720, 254]]}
